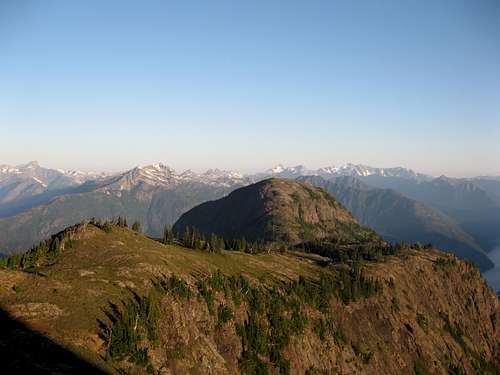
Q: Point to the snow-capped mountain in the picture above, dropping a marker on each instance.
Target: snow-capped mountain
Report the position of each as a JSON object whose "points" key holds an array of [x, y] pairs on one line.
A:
{"points": [[359, 170], [27, 180], [47, 200], [153, 175], [30, 170], [79, 177], [32, 179], [223, 178], [281, 171], [354, 170], [160, 175], [46, 176]]}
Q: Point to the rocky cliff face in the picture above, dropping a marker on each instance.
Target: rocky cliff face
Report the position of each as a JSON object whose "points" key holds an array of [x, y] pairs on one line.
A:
{"points": [[126, 303]]}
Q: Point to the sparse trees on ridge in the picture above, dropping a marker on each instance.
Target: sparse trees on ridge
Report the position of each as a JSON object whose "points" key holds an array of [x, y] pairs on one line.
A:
{"points": [[122, 222], [168, 235], [136, 226]]}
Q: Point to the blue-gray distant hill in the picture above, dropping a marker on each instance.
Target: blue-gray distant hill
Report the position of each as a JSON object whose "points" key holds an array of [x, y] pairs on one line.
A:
{"points": [[472, 203], [399, 218]]}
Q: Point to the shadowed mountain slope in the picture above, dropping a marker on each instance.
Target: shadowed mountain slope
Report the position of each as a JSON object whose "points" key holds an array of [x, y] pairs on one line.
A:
{"points": [[25, 351], [275, 210]]}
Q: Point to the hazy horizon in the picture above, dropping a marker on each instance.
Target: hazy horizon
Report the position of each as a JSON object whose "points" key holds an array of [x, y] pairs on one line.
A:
{"points": [[245, 86]]}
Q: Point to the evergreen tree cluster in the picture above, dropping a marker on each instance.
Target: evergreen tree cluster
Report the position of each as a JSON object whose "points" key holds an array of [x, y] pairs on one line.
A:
{"points": [[274, 313], [44, 252], [121, 222], [132, 326], [329, 248], [173, 285], [107, 225], [192, 238], [353, 284]]}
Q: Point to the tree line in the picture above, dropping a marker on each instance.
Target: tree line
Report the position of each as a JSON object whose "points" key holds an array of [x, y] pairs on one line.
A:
{"points": [[193, 238]]}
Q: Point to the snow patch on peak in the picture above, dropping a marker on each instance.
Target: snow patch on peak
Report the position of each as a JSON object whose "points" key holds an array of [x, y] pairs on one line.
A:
{"points": [[40, 182], [348, 169], [287, 172], [218, 173], [160, 175], [277, 169]]}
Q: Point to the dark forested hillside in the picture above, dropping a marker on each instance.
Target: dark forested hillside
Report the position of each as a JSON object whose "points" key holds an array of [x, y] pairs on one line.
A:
{"points": [[275, 210]]}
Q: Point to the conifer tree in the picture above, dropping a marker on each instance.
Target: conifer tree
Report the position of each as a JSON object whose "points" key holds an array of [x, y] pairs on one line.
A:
{"points": [[136, 227], [214, 245], [197, 239], [186, 237], [194, 238], [55, 245], [168, 235]]}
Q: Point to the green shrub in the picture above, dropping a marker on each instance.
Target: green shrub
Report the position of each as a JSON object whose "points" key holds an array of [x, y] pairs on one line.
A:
{"points": [[395, 304], [445, 262], [207, 294], [422, 322], [454, 330], [107, 227], [131, 324], [340, 337], [419, 367], [173, 285], [251, 364], [140, 357], [365, 356], [225, 314]]}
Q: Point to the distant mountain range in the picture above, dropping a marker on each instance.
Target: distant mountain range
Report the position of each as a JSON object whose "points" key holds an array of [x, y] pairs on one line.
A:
{"points": [[155, 195], [459, 215], [345, 170], [27, 180], [475, 208]]}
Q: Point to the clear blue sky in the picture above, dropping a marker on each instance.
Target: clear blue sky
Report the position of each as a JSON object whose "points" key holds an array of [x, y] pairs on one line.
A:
{"points": [[247, 84]]}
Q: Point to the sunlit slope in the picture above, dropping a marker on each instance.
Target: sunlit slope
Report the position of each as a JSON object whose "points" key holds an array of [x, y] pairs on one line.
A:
{"points": [[413, 310]]}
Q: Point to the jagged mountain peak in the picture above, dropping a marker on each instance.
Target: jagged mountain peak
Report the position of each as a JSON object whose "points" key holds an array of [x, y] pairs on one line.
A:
{"points": [[287, 172], [221, 173], [348, 169], [162, 175], [30, 165], [361, 170]]}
